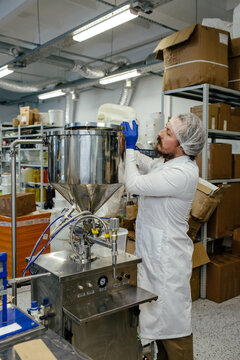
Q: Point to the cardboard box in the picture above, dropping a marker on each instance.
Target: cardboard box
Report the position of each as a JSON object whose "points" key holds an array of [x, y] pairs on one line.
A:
{"points": [[219, 161], [195, 55], [206, 199], [212, 115], [224, 116], [29, 229], [194, 227], [234, 124], [26, 116], [234, 64], [223, 277], [236, 242], [236, 166], [25, 204], [219, 115], [226, 217]]}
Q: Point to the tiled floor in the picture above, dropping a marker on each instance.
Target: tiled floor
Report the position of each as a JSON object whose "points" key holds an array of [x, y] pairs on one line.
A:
{"points": [[216, 327]]}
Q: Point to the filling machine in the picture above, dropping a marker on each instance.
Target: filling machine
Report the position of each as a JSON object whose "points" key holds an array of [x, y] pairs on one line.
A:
{"points": [[91, 301]]}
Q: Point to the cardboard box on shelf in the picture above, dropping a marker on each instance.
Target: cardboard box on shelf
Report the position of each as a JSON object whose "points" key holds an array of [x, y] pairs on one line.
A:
{"points": [[224, 116], [219, 161], [29, 229], [25, 204], [195, 55], [226, 217], [194, 227], [206, 199], [236, 242], [234, 124], [212, 115], [236, 166], [234, 64], [223, 277], [26, 116]]}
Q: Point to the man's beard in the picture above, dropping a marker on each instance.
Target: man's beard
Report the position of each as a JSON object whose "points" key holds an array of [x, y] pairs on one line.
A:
{"points": [[159, 153]]}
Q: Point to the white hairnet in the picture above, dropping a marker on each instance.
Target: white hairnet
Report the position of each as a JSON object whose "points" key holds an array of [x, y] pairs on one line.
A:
{"points": [[190, 133]]}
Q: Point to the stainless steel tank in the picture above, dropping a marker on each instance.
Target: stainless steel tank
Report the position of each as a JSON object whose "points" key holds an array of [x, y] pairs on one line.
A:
{"points": [[86, 163]]}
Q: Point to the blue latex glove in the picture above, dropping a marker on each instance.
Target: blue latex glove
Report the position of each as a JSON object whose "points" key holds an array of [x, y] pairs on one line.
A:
{"points": [[131, 135]]}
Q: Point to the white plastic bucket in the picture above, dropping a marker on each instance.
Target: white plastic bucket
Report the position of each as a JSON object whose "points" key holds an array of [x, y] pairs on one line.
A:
{"points": [[56, 117]]}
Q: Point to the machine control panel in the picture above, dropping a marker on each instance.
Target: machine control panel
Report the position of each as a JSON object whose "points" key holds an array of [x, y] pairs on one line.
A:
{"points": [[97, 283]]}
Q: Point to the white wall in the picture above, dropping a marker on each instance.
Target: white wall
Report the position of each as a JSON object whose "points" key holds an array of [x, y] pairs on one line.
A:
{"points": [[7, 113], [146, 100]]}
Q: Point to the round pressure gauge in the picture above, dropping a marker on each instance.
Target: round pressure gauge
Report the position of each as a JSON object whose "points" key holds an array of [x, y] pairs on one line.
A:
{"points": [[102, 281]]}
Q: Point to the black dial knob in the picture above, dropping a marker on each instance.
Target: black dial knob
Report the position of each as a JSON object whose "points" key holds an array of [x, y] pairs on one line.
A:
{"points": [[102, 281]]}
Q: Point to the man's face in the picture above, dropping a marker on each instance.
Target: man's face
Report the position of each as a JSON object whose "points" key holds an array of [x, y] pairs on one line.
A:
{"points": [[167, 142]]}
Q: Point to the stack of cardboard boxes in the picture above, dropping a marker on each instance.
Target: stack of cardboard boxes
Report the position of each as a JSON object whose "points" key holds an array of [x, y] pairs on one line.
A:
{"points": [[192, 56], [197, 55], [27, 117]]}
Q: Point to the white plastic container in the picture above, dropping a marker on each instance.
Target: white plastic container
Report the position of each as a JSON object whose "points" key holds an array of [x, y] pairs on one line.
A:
{"points": [[6, 189], [99, 250], [116, 114], [56, 117], [44, 118], [6, 179]]}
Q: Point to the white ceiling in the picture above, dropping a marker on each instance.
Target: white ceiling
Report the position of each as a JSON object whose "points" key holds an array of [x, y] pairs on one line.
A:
{"points": [[30, 25]]}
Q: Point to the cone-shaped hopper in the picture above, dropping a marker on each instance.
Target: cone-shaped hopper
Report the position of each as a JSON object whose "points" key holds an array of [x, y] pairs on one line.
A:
{"points": [[85, 163]]}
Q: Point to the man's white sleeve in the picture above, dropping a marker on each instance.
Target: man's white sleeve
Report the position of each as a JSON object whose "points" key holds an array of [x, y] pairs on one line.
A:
{"points": [[166, 181]]}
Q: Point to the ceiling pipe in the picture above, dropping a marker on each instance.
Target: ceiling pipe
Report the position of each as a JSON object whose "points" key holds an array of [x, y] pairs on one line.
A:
{"points": [[97, 72], [28, 87]]}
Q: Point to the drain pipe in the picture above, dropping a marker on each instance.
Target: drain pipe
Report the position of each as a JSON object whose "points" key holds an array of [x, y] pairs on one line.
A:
{"points": [[13, 201]]}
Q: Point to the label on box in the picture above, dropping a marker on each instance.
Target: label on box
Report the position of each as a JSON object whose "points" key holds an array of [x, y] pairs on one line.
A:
{"points": [[213, 121], [223, 38], [225, 125]]}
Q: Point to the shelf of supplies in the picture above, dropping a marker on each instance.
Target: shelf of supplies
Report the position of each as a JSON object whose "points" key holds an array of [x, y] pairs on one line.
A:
{"points": [[32, 149], [31, 165], [9, 137], [34, 183], [221, 134], [216, 94], [223, 181]]}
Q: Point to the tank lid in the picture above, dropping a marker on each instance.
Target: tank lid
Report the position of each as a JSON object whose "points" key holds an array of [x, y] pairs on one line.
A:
{"points": [[92, 125]]}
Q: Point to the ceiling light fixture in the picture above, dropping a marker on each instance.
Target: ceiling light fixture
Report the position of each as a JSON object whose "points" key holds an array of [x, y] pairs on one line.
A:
{"points": [[120, 76], [51, 94], [5, 70], [109, 21]]}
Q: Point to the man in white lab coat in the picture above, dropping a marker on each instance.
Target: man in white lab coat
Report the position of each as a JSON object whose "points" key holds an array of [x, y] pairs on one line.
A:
{"points": [[166, 187]]}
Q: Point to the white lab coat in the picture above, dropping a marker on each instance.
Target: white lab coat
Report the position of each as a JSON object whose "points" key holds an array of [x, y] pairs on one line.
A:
{"points": [[166, 193]]}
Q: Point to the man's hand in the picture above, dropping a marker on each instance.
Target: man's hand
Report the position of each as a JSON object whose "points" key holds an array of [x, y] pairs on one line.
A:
{"points": [[131, 135]]}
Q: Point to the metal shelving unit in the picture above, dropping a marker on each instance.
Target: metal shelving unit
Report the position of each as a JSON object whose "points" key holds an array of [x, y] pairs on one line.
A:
{"points": [[206, 94], [21, 132]]}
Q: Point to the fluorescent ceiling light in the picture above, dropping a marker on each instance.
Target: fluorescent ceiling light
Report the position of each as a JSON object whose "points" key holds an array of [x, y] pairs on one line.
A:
{"points": [[120, 76], [109, 21], [4, 71], [51, 94]]}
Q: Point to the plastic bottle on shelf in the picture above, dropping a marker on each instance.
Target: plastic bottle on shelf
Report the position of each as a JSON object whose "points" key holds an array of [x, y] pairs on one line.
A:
{"points": [[45, 175]]}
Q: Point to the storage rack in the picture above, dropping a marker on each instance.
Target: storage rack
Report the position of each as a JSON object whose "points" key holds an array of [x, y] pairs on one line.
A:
{"points": [[206, 94], [19, 134]]}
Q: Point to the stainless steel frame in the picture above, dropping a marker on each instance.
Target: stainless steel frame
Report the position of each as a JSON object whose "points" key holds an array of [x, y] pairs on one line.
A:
{"points": [[99, 313]]}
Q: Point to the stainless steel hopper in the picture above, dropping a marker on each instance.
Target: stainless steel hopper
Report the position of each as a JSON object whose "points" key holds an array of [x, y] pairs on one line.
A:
{"points": [[85, 163]]}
